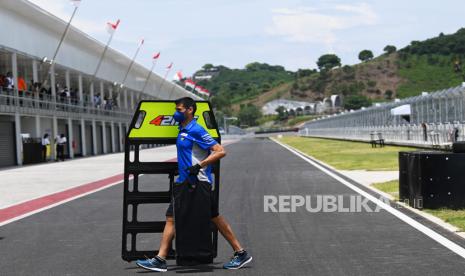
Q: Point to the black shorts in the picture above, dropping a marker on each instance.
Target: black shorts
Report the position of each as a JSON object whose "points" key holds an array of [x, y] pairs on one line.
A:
{"points": [[214, 203]]}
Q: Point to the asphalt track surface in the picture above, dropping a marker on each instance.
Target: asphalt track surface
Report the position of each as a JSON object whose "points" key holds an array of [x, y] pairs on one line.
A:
{"points": [[83, 237]]}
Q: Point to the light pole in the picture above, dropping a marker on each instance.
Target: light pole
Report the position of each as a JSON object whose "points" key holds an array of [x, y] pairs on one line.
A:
{"points": [[224, 121]]}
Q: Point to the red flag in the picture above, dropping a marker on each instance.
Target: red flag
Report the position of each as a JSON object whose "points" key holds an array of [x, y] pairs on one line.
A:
{"points": [[156, 56], [75, 3], [141, 42], [169, 66], [178, 76], [111, 28], [189, 83]]}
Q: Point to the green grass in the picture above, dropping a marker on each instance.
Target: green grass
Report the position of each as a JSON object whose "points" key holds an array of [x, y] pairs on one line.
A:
{"points": [[390, 187], [424, 76], [454, 217], [345, 155], [267, 118], [300, 119]]}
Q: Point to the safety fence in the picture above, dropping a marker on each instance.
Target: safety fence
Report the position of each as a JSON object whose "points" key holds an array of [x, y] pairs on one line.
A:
{"points": [[437, 119]]}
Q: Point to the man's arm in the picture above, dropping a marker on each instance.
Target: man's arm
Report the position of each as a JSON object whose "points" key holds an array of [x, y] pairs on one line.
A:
{"points": [[217, 152]]}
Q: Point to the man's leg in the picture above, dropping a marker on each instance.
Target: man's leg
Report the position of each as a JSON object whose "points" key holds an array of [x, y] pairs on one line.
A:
{"points": [[167, 238], [159, 262], [227, 232], [241, 257]]}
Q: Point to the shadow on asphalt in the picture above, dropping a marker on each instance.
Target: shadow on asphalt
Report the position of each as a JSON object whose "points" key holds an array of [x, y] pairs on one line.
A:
{"points": [[190, 269]]}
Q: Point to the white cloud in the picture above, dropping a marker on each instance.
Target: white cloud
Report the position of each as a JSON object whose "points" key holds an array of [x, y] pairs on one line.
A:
{"points": [[63, 10], [305, 24]]}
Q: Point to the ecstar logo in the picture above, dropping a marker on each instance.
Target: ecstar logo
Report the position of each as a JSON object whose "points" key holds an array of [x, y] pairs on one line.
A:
{"points": [[165, 120]]}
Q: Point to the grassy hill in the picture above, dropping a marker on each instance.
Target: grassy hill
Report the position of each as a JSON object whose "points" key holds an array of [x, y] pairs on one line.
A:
{"points": [[232, 86], [427, 73]]}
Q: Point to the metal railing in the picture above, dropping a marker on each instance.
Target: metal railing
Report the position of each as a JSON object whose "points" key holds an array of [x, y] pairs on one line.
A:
{"points": [[27, 101], [435, 135], [437, 119]]}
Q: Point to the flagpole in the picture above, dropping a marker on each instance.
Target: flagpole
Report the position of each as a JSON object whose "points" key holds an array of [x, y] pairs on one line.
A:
{"points": [[148, 76], [102, 56], [132, 62], [163, 81], [172, 90], [63, 36]]}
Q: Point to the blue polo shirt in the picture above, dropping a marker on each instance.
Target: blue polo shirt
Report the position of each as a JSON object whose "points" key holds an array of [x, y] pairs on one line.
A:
{"points": [[193, 145]]}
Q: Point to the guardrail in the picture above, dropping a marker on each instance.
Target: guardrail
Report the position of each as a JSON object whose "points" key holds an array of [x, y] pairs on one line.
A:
{"points": [[435, 135]]}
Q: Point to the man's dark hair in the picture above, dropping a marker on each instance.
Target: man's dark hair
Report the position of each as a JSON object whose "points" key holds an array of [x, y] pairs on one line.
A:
{"points": [[187, 102]]}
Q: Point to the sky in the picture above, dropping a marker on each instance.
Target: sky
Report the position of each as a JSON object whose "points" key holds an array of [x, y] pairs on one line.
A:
{"points": [[291, 33]]}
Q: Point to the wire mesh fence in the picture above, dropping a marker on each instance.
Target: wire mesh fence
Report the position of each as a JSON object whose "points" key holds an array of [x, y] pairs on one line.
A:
{"points": [[436, 119]]}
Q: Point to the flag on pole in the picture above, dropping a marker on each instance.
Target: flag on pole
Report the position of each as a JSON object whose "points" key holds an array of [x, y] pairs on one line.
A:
{"points": [[141, 42], [198, 88], [111, 28], [75, 3], [156, 56], [189, 83], [178, 76], [204, 91], [169, 66]]}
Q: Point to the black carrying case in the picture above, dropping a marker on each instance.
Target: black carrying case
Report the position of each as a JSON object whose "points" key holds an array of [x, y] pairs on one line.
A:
{"points": [[193, 226]]}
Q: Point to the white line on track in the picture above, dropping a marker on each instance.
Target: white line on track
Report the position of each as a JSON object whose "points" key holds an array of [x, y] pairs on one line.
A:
{"points": [[459, 250]]}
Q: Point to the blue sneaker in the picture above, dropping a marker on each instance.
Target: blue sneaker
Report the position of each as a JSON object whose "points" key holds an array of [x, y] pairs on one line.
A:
{"points": [[238, 260], [154, 264]]}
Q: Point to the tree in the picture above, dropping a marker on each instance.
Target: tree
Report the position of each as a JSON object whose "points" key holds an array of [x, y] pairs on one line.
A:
{"points": [[305, 72], [249, 114], [282, 113], [388, 94], [356, 102], [207, 66], [365, 55], [328, 61], [389, 49]]}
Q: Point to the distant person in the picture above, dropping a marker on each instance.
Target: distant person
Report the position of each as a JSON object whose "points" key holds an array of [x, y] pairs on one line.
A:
{"points": [[45, 143], [43, 94], [9, 85], [60, 143], [97, 101], [62, 94], [22, 86], [454, 134], [425, 132], [2, 82]]}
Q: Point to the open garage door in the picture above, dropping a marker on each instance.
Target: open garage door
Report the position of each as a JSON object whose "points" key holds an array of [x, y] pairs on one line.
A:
{"points": [[7, 144]]}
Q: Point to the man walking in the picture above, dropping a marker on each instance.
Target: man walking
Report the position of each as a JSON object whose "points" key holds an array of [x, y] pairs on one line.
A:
{"points": [[45, 143], [196, 151], [60, 147]]}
